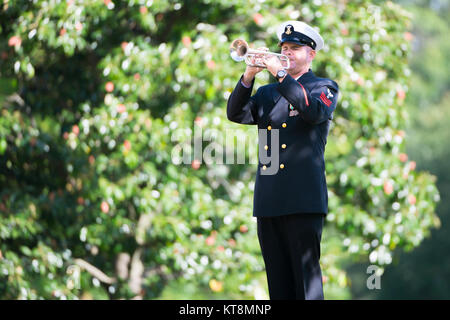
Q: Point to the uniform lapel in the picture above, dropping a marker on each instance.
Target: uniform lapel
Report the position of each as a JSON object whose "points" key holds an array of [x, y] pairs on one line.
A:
{"points": [[275, 95], [280, 106], [280, 109]]}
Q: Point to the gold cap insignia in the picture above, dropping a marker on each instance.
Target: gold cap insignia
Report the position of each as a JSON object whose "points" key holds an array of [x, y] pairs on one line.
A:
{"points": [[288, 29]]}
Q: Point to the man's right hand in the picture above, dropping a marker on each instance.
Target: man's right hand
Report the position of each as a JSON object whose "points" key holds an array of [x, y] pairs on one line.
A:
{"points": [[250, 72]]}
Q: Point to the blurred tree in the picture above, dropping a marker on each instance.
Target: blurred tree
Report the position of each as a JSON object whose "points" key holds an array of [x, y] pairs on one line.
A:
{"points": [[439, 7], [100, 100], [424, 272]]}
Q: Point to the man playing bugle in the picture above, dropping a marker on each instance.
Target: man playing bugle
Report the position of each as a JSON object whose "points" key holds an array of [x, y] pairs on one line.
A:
{"points": [[290, 197]]}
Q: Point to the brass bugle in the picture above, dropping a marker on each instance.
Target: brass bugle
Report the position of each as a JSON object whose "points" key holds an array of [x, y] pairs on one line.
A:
{"points": [[240, 51]]}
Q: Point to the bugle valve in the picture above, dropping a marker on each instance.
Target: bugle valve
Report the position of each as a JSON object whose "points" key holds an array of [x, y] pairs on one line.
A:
{"points": [[240, 51]]}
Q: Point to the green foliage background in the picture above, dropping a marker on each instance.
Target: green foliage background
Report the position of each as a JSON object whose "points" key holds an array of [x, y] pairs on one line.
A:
{"points": [[423, 272], [98, 96]]}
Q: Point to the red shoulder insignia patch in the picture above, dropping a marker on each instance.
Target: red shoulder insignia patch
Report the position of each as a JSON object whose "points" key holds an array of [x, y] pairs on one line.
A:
{"points": [[324, 99]]}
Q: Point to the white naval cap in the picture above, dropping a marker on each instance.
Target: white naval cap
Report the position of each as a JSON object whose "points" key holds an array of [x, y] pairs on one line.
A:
{"points": [[300, 33]]}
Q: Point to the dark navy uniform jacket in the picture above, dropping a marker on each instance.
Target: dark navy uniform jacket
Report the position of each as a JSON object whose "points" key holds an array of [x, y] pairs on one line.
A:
{"points": [[301, 110]]}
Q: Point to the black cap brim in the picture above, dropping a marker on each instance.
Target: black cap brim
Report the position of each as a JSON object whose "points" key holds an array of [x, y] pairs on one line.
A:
{"points": [[298, 38]]}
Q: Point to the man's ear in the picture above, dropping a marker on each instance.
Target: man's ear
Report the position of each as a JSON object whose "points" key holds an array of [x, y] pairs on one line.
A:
{"points": [[312, 54]]}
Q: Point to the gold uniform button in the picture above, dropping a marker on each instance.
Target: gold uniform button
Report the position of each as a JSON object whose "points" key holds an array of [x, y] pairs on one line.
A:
{"points": [[269, 128], [284, 125], [281, 166], [266, 147], [264, 167], [283, 146]]}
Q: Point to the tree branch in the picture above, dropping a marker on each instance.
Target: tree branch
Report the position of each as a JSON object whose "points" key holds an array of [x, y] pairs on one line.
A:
{"points": [[95, 271]]}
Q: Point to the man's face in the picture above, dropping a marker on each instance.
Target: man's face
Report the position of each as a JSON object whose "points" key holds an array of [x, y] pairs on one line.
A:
{"points": [[299, 56]]}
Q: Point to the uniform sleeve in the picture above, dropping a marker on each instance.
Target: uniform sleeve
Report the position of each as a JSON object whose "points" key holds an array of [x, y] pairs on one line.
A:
{"points": [[314, 106], [241, 106]]}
